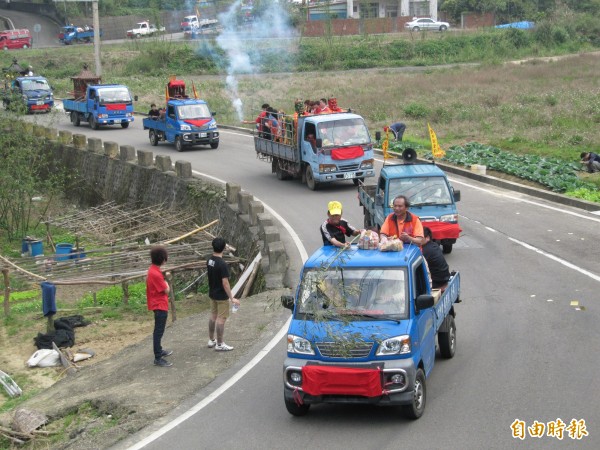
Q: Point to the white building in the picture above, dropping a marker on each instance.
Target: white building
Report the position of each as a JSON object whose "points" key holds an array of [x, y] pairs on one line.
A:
{"points": [[369, 9]]}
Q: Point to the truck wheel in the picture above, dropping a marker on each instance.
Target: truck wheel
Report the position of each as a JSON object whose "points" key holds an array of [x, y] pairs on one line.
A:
{"points": [[447, 248], [310, 179], [153, 138], [138, 36], [447, 340], [5, 48], [93, 123], [214, 145], [75, 120], [416, 29], [417, 407], [25, 46], [124, 124], [294, 409], [178, 144]]}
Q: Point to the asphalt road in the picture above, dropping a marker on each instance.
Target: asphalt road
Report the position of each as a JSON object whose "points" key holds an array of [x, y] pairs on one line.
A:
{"points": [[524, 350]]}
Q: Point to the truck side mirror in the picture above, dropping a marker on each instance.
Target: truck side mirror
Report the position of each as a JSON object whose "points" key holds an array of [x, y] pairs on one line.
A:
{"points": [[319, 143], [135, 98], [424, 301], [378, 135], [214, 113], [457, 196], [287, 301]]}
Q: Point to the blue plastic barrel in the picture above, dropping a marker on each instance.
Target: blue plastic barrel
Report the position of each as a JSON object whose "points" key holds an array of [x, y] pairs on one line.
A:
{"points": [[78, 253], [35, 248], [63, 249]]}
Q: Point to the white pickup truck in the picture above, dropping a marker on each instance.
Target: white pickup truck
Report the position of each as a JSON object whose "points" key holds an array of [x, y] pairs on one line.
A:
{"points": [[144, 29]]}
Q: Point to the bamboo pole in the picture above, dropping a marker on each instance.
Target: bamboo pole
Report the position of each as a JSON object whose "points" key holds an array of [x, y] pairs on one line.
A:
{"points": [[6, 292], [191, 233], [22, 270], [248, 285]]}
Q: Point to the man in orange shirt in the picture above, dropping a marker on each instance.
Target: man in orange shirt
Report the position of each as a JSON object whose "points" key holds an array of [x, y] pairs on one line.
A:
{"points": [[403, 224]]}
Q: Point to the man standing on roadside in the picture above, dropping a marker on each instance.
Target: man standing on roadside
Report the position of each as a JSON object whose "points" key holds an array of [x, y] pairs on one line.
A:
{"points": [[157, 297], [220, 295], [403, 224]]}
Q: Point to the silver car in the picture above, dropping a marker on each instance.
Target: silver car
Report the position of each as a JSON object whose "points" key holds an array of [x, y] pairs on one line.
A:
{"points": [[426, 24]]}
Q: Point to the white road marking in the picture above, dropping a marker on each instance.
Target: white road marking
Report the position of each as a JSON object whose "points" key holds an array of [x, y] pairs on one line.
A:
{"points": [[250, 365]]}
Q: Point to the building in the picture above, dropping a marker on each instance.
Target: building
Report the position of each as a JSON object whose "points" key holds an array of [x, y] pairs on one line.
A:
{"points": [[369, 9]]}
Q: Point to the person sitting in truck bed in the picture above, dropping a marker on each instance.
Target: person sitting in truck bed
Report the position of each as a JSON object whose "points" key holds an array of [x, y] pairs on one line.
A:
{"points": [[438, 267], [335, 229], [401, 223], [322, 107], [154, 112], [260, 120]]}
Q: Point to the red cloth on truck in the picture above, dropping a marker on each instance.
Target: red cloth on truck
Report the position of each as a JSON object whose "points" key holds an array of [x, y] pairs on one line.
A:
{"points": [[197, 122], [329, 380], [443, 230], [116, 107], [347, 152]]}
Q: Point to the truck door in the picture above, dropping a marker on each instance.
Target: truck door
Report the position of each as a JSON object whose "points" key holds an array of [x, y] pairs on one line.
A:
{"points": [[425, 319], [93, 102], [309, 143], [171, 126]]}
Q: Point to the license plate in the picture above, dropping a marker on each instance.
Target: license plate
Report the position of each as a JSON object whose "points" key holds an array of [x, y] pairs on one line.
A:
{"points": [[39, 102], [203, 134], [348, 175]]}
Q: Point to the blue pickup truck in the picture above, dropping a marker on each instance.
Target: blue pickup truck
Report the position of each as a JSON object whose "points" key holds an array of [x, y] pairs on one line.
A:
{"points": [[187, 122], [102, 104], [31, 93], [71, 34], [428, 190], [364, 329]]}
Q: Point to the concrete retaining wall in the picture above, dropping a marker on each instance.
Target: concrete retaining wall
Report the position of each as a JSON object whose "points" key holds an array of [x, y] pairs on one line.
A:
{"points": [[105, 171]]}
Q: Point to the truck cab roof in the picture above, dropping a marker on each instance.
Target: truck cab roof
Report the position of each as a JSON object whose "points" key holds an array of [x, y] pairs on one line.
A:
{"points": [[355, 257], [413, 170], [331, 116], [186, 101]]}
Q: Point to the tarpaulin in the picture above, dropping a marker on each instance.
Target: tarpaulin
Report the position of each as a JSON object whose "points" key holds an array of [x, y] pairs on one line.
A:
{"points": [[328, 380], [116, 107], [197, 122], [347, 152], [48, 298], [443, 230]]}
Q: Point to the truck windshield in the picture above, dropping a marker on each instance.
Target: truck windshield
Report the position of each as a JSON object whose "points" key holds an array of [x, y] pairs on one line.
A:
{"points": [[199, 111], [114, 95], [34, 85], [363, 294], [421, 190], [343, 132]]}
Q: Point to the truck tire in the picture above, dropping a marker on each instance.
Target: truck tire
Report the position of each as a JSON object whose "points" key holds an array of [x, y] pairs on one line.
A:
{"points": [[417, 407], [25, 46], [214, 145], [443, 28], [447, 340], [295, 409], [416, 29], [153, 138], [93, 123], [75, 119], [310, 179], [178, 144], [447, 248], [124, 124]]}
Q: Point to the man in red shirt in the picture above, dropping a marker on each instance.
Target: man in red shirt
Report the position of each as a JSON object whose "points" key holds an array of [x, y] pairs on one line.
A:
{"points": [[260, 120], [403, 224], [323, 108], [157, 297]]}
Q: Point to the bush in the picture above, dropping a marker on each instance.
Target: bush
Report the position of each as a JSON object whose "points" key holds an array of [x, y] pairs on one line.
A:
{"points": [[416, 111]]}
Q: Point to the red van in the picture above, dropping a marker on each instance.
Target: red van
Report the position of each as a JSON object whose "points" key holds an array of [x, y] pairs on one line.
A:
{"points": [[15, 39]]}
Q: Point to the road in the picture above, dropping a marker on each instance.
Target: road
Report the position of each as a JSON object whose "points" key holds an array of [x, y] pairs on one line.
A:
{"points": [[525, 350]]}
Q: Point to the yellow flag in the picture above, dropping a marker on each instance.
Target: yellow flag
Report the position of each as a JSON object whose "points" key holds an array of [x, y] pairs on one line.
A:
{"points": [[194, 90], [167, 93], [436, 150], [385, 145]]}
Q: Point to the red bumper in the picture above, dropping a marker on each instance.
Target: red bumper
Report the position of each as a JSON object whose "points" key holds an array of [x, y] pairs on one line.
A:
{"points": [[443, 230]]}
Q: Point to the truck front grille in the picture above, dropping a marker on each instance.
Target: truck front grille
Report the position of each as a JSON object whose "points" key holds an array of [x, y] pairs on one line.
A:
{"points": [[348, 167], [347, 350]]}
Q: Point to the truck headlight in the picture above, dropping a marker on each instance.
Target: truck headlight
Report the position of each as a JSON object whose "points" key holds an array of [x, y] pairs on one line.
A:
{"points": [[366, 164], [449, 218], [327, 168], [299, 345], [185, 128], [213, 126], [398, 345], [102, 116]]}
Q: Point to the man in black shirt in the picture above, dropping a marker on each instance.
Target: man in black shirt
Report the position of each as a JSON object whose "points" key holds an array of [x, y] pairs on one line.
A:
{"points": [[438, 267], [220, 294], [335, 229], [154, 113]]}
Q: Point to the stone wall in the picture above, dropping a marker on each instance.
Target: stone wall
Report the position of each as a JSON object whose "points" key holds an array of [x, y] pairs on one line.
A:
{"points": [[104, 172]]}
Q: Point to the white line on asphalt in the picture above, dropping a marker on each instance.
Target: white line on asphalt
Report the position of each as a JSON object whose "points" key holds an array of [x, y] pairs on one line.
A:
{"points": [[248, 367], [593, 276]]}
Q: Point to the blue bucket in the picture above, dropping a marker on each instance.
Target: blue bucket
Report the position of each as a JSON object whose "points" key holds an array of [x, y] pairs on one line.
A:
{"points": [[63, 249], [78, 253], [25, 246], [35, 248]]}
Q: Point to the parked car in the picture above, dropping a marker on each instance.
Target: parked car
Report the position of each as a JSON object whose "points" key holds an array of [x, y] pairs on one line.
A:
{"points": [[189, 22], [426, 23]]}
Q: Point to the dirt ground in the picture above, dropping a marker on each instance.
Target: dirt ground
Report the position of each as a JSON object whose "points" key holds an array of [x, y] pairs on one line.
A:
{"points": [[119, 391]]}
